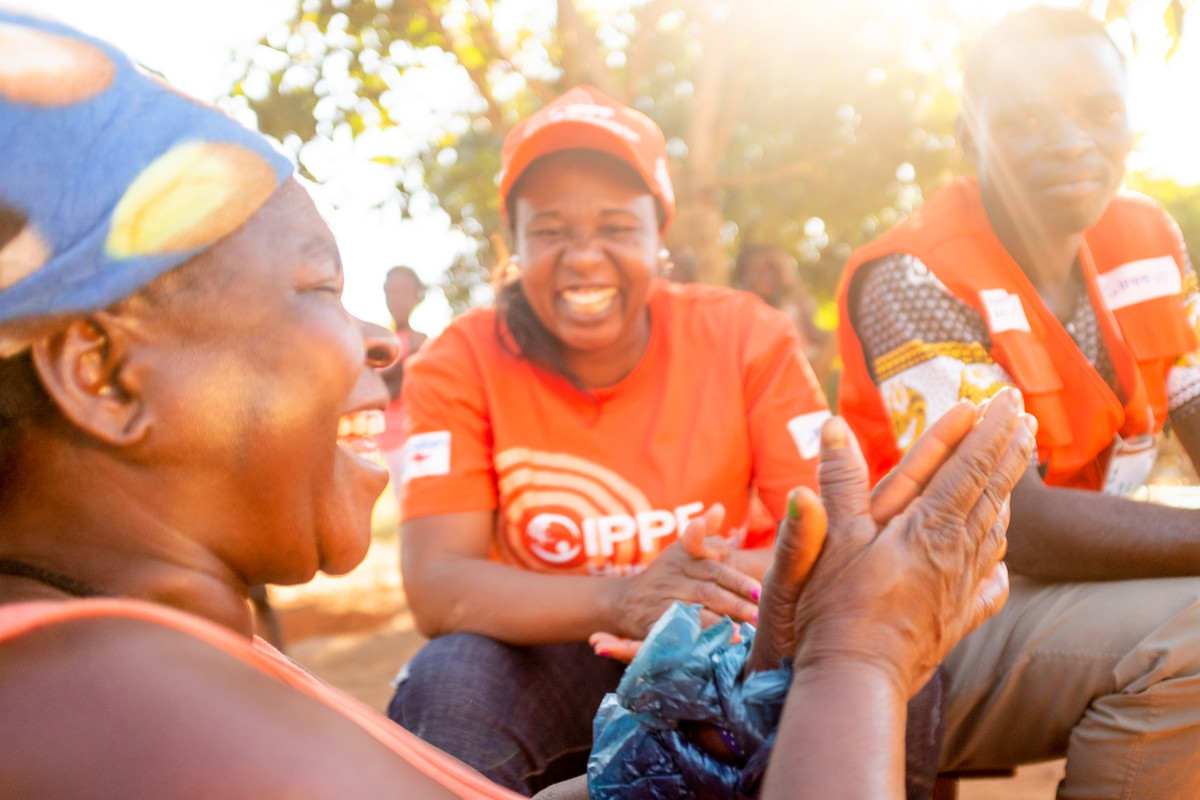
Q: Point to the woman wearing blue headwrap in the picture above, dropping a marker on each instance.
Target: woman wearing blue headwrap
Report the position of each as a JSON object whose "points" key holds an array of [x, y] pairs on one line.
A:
{"points": [[186, 410]]}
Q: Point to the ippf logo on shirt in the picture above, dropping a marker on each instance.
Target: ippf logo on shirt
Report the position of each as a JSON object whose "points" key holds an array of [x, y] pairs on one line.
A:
{"points": [[565, 513]]}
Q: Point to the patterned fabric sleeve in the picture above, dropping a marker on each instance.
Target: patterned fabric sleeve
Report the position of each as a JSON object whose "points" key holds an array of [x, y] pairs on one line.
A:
{"points": [[925, 348], [1183, 381]]}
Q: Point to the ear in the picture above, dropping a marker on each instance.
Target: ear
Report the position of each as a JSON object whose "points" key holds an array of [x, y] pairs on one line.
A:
{"points": [[84, 368], [966, 138]]}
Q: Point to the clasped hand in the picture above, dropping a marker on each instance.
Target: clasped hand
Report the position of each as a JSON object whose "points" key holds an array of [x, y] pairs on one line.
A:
{"points": [[896, 577], [694, 569]]}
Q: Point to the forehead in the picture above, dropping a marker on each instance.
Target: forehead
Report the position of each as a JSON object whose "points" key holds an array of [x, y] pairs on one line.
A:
{"points": [[571, 181], [1055, 71], [284, 241], [401, 278]]}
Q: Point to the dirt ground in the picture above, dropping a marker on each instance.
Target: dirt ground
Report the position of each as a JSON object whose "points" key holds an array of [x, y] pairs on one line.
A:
{"points": [[355, 631]]}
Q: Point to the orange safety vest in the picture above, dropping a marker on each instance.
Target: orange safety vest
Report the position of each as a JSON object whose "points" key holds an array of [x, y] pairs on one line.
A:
{"points": [[1145, 328]]}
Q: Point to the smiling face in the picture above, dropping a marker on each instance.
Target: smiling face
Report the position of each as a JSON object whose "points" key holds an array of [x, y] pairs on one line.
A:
{"points": [[587, 237], [1049, 132], [265, 392]]}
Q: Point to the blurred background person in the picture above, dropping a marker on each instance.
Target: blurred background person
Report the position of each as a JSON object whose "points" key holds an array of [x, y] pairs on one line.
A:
{"points": [[403, 291], [769, 273]]}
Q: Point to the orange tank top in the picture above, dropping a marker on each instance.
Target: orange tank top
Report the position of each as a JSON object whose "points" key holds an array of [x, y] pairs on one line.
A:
{"points": [[20, 618]]}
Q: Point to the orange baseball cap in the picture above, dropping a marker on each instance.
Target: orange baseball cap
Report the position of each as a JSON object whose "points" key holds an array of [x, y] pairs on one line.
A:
{"points": [[586, 118]]}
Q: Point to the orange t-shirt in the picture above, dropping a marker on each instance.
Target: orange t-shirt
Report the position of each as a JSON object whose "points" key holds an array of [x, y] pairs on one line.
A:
{"points": [[722, 402], [20, 618]]}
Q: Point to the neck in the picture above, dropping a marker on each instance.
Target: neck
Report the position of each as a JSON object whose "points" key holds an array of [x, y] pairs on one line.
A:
{"points": [[608, 368], [97, 534], [1048, 258]]}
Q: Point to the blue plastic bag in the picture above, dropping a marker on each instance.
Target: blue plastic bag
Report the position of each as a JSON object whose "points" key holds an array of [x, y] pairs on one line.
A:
{"points": [[685, 674]]}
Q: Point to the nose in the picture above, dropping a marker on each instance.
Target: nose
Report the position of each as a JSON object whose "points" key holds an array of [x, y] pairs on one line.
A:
{"points": [[381, 344], [1071, 137], [582, 249]]}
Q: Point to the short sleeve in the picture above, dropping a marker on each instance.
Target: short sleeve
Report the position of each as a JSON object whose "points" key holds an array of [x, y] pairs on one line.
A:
{"points": [[785, 408], [925, 348], [447, 460]]}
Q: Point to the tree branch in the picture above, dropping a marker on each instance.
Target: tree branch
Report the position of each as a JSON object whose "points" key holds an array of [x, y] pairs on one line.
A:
{"points": [[637, 56], [581, 52], [478, 75], [540, 88], [793, 170]]}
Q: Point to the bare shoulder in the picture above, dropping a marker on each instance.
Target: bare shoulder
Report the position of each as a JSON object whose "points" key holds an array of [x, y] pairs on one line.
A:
{"points": [[118, 707]]}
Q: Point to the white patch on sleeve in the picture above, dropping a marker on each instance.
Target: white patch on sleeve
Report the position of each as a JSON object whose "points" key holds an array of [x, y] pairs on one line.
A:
{"points": [[1139, 281], [1004, 311], [426, 454], [806, 432]]}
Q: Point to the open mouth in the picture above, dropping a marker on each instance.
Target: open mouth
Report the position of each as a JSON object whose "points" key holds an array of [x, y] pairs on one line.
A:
{"points": [[590, 300], [356, 431], [1071, 183]]}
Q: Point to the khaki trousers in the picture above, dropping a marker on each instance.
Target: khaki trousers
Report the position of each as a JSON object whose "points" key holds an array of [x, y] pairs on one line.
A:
{"points": [[1106, 673]]}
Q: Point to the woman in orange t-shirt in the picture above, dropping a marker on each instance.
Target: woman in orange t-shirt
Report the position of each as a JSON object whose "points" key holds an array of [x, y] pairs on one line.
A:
{"points": [[560, 443]]}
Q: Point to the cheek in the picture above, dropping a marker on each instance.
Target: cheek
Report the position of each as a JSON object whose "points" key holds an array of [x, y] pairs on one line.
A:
{"points": [[536, 281], [1117, 145]]}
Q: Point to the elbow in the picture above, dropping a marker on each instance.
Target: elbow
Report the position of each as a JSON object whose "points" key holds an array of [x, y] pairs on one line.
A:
{"points": [[435, 610], [427, 626], [429, 615]]}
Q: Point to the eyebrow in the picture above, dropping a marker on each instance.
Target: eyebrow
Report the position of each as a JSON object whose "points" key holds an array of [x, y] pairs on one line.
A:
{"points": [[323, 250]]}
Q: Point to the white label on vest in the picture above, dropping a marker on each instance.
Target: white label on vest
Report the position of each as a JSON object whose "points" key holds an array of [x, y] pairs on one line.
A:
{"points": [[806, 432], [1130, 464], [1139, 281], [1004, 311]]}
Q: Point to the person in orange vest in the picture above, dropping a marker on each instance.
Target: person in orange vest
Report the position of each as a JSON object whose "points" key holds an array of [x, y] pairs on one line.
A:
{"points": [[1039, 273]]}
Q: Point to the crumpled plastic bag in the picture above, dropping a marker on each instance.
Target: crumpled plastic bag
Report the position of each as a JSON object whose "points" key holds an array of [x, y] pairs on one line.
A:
{"points": [[683, 674]]}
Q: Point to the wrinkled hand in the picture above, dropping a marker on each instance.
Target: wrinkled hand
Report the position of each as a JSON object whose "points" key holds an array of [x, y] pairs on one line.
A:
{"points": [[908, 571], [692, 570]]}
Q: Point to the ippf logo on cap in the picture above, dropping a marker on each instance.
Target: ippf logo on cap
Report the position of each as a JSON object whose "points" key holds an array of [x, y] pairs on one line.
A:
{"points": [[591, 114]]}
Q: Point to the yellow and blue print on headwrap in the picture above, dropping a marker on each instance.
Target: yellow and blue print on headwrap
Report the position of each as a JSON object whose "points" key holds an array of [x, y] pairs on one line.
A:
{"points": [[110, 177]]}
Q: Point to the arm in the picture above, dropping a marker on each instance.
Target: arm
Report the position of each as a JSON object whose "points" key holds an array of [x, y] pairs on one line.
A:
{"points": [[882, 606], [851, 732], [452, 586], [1074, 535]]}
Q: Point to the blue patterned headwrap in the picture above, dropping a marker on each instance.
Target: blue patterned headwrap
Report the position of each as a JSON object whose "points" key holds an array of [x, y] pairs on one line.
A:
{"points": [[109, 176]]}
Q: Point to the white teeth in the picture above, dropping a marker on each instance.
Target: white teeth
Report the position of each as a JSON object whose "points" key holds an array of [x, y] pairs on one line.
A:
{"points": [[590, 300], [361, 423]]}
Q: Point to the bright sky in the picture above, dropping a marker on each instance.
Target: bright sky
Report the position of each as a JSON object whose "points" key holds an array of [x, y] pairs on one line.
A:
{"points": [[193, 44]]}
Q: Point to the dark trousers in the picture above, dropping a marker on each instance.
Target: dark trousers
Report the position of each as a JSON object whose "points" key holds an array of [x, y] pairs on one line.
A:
{"points": [[522, 716]]}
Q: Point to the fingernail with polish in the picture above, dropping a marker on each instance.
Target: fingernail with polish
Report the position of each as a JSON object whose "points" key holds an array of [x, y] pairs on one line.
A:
{"points": [[834, 434], [755, 593], [603, 653], [793, 509]]}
